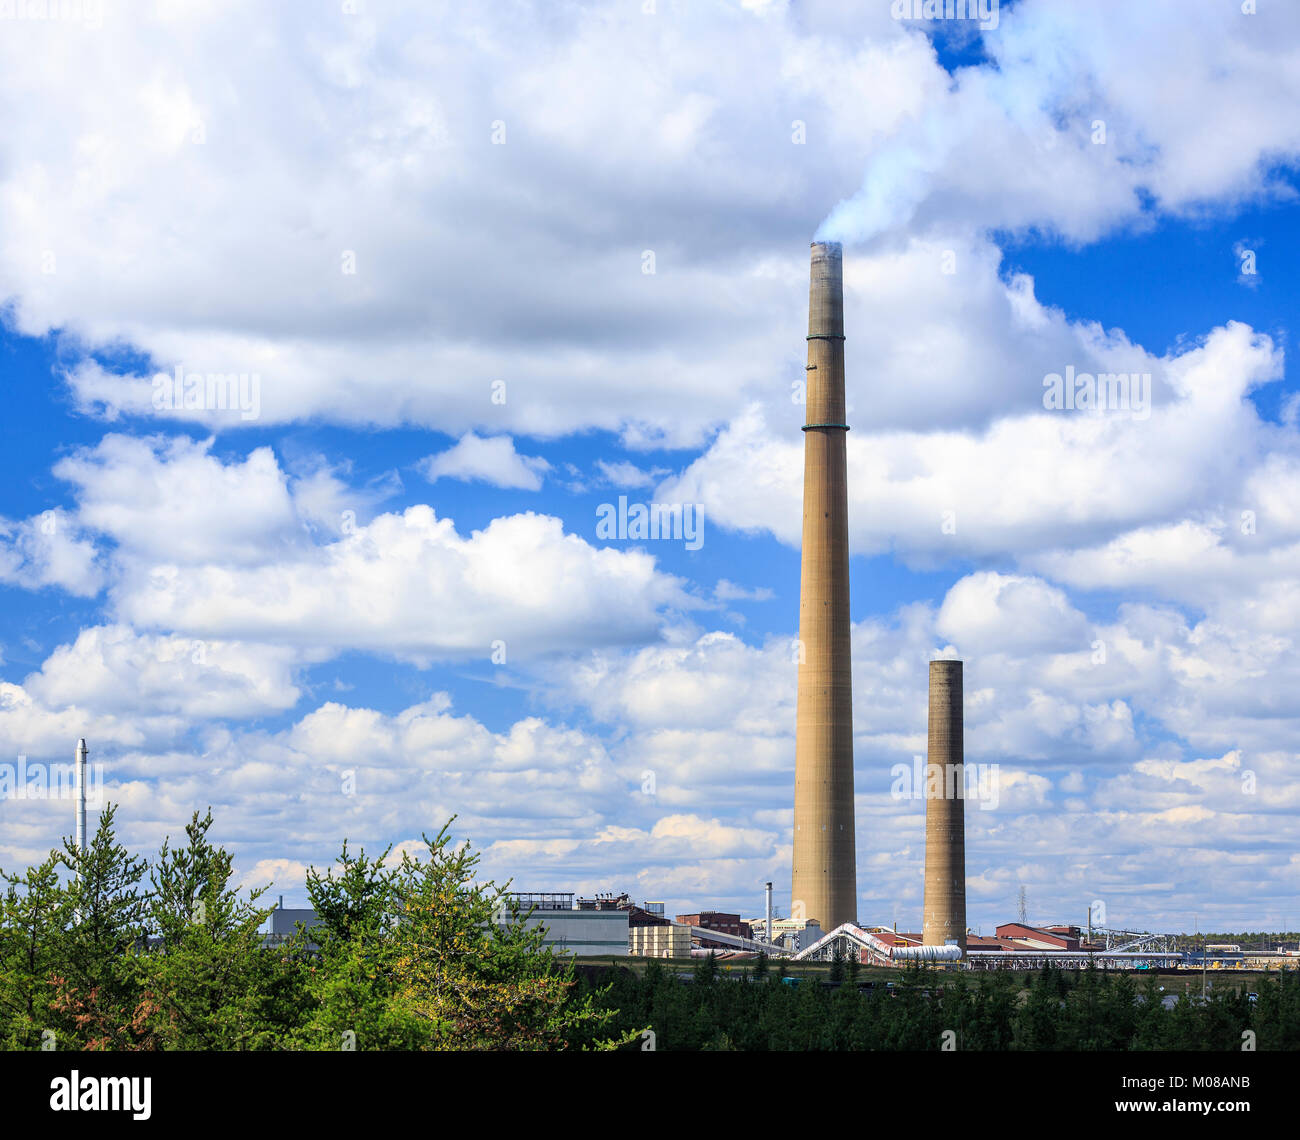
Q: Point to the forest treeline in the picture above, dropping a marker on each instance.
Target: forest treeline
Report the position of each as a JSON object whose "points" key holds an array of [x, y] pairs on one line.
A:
{"points": [[1077, 1010]]}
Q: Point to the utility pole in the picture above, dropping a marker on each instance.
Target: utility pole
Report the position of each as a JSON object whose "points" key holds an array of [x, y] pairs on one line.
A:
{"points": [[767, 929], [1197, 922]]}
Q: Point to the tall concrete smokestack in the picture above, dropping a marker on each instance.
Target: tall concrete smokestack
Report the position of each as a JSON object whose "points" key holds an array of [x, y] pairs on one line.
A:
{"points": [[825, 885], [944, 913]]}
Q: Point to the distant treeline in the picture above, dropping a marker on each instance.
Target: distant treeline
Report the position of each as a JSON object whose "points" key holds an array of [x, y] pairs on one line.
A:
{"points": [[1251, 940], [925, 1010]]}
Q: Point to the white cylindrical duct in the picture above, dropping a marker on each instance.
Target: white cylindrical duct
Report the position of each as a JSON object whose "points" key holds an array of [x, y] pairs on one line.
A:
{"points": [[926, 953]]}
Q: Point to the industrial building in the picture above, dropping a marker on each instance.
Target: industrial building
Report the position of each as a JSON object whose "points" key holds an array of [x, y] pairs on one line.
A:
{"points": [[577, 926], [787, 933], [652, 935], [284, 924], [1222, 957], [1009, 936], [667, 940], [717, 920], [1019, 936], [611, 923]]}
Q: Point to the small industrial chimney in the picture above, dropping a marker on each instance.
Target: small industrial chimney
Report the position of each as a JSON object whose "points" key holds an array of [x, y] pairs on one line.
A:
{"points": [[824, 885], [81, 794], [944, 913]]}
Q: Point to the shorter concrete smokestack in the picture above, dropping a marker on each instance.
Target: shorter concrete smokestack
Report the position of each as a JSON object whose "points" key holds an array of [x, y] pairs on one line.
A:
{"points": [[944, 913]]}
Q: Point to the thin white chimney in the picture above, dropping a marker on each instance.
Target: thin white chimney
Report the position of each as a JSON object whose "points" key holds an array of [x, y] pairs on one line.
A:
{"points": [[81, 794]]}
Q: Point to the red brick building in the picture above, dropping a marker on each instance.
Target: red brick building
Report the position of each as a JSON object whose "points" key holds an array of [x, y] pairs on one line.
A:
{"points": [[1039, 938], [717, 920]]}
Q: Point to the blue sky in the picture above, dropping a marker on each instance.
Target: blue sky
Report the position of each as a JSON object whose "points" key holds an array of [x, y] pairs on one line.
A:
{"points": [[254, 613]]}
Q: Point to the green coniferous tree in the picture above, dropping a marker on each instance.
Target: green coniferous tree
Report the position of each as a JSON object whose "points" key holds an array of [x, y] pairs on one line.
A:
{"points": [[207, 980], [480, 977], [852, 968], [32, 916], [837, 964], [353, 983], [99, 1001]]}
